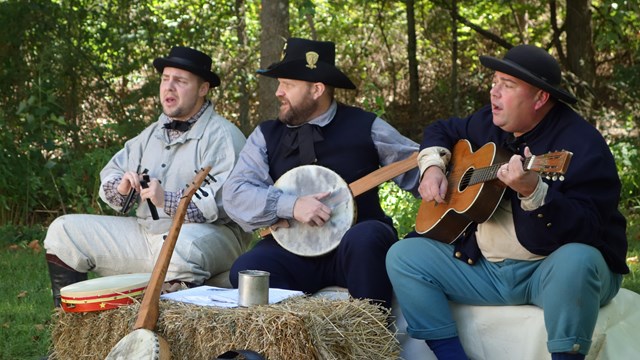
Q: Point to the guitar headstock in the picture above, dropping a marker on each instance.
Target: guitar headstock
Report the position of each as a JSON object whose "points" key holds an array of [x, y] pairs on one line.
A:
{"points": [[552, 165]]}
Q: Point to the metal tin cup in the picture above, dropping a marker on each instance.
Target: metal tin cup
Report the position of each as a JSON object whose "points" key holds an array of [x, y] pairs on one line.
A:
{"points": [[253, 287]]}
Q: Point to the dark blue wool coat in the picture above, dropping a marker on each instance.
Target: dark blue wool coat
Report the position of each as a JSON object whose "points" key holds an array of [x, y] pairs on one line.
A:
{"points": [[582, 209]]}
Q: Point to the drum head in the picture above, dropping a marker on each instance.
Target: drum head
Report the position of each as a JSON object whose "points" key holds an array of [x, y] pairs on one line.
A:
{"points": [[141, 344], [305, 240], [103, 293]]}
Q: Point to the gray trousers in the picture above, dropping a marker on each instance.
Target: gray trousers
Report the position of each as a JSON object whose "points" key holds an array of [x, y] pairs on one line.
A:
{"points": [[110, 245]]}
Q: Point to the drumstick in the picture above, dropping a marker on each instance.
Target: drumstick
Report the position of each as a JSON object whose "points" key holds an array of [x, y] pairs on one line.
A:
{"points": [[365, 183]]}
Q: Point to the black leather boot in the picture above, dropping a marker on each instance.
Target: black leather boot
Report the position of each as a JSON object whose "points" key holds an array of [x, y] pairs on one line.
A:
{"points": [[240, 355], [61, 275]]}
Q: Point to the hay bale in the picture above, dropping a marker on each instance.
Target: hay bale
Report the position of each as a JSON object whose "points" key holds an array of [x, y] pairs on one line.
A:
{"points": [[298, 328]]}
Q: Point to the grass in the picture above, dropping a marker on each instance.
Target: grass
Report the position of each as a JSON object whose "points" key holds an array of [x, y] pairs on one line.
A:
{"points": [[25, 304], [25, 295]]}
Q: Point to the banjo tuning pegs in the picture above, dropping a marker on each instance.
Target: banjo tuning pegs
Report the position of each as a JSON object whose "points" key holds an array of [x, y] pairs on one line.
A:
{"points": [[204, 193]]}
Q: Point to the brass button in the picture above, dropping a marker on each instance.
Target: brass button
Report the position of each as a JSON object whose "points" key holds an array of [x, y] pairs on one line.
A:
{"points": [[458, 254], [540, 216], [548, 225], [469, 261], [576, 347]]}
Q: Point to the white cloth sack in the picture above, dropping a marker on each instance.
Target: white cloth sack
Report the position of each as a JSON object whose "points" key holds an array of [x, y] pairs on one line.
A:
{"points": [[518, 332]]}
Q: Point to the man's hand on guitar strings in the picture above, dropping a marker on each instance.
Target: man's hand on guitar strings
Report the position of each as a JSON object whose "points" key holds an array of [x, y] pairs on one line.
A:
{"points": [[433, 186], [516, 177], [310, 210]]}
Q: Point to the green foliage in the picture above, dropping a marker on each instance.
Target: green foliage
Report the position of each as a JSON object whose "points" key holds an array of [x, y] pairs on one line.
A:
{"points": [[401, 205], [20, 235], [632, 280], [78, 78], [627, 157]]}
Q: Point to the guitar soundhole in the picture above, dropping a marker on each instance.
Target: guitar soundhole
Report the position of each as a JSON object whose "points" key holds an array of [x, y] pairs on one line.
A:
{"points": [[465, 180]]}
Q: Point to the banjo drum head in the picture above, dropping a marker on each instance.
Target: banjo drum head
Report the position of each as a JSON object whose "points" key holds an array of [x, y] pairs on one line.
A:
{"points": [[306, 240], [141, 344], [103, 293]]}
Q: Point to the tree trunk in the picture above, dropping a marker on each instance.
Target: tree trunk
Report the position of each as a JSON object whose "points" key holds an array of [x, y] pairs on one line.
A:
{"points": [[274, 19], [243, 106], [414, 81], [580, 52], [455, 102]]}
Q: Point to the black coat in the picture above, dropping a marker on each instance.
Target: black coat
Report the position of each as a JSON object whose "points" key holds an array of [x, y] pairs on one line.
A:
{"points": [[582, 209]]}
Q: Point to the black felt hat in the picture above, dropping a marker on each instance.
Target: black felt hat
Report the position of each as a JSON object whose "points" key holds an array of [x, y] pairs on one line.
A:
{"points": [[533, 65], [309, 60], [191, 60]]}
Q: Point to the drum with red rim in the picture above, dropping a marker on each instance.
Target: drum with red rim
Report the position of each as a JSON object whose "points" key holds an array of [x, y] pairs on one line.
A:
{"points": [[103, 293]]}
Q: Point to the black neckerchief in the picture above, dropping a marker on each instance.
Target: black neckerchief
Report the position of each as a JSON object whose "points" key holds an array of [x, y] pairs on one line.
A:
{"points": [[302, 138]]}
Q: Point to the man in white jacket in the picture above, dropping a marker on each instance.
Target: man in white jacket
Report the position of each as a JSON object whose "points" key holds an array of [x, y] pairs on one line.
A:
{"points": [[187, 137]]}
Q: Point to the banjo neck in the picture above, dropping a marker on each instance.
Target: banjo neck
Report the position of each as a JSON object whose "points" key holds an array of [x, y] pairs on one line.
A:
{"points": [[150, 305], [383, 174]]}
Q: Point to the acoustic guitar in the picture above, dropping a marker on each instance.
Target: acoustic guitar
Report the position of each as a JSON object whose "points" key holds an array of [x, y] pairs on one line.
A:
{"points": [[143, 342], [474, 191]]}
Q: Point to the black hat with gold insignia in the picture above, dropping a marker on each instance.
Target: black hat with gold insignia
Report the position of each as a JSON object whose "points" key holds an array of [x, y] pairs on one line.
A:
{"points": [[309, 60]]}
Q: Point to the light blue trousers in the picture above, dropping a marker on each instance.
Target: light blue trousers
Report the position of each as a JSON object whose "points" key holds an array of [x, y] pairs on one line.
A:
{"points": [[570, 285]]}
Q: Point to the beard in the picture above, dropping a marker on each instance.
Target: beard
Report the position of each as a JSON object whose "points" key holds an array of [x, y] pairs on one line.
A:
{"points": [[300, 114], [181, 111]]}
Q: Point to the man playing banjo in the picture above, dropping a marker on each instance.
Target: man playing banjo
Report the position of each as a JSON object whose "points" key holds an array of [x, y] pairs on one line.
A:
{"points": [[312, 128]]}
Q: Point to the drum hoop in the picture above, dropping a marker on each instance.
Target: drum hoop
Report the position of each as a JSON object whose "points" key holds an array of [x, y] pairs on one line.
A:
{"points": [[98, 306], [334, 243]]}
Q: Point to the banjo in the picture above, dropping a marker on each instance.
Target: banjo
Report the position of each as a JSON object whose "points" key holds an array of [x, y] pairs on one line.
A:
{"points": [[306, 240], [143, 343]]}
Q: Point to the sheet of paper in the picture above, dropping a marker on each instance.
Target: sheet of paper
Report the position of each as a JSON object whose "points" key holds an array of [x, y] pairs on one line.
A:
{"points": [[214, 296]]}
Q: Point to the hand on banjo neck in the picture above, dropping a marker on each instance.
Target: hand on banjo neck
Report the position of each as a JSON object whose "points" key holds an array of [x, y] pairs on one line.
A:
{"points": [[320, 218]]}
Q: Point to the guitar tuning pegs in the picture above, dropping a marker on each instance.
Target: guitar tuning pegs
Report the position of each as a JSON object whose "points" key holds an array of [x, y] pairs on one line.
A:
{"points": [[555, 177], [204, 193], [212, 178], [561, 178], [196, 195]]}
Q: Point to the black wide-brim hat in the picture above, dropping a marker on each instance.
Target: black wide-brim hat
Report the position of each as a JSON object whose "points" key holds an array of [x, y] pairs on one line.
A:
{"points": [[533, 65], [191, 60], [309, 60]]}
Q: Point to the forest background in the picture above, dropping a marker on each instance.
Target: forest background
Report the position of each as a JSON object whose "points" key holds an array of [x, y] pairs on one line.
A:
{"points": [[77, 81]]}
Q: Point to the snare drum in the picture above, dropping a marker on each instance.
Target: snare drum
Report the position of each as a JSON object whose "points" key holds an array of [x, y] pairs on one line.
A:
{"points": [[307, 240], [103, 293]]}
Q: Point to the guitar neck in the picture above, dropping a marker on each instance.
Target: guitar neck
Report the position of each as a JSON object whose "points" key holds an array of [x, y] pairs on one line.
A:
{"points": [[489, 173]]}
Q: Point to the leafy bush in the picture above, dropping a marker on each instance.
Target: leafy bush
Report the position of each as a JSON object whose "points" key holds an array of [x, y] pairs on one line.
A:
{"points": [[21, 235], [628, 162], [401, 205]]}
